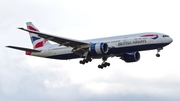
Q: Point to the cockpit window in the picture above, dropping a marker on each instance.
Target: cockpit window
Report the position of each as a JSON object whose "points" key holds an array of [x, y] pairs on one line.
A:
{"points": [[165, 36]]}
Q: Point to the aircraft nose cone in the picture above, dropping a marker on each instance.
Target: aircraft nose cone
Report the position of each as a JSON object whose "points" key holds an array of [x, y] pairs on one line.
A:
{"points": [[170, 40]]}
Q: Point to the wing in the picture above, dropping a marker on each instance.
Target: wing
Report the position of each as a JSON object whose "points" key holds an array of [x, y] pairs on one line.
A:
{"points": [[79, 47], [24, 49], [60, 40]]}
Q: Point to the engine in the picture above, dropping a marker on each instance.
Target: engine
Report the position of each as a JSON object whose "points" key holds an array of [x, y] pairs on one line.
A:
{"points": [[131, 56], [99, 48]]}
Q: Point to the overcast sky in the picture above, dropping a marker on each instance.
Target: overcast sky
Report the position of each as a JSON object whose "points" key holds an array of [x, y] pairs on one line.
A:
{"points": [[27, 78]]}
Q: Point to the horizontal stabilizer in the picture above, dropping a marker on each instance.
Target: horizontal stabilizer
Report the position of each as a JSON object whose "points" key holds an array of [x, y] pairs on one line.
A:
{"points": [[23, 49]]}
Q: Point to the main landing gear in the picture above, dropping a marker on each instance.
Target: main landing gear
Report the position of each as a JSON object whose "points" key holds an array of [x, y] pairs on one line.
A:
{"points": [[101, 66], [104, 64], [86, 60], [158, 50]]}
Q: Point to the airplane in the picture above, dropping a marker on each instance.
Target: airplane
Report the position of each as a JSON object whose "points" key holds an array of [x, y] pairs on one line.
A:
{"points": [[127, 47]]}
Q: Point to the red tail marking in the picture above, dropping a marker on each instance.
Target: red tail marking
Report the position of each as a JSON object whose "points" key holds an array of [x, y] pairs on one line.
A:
{"points": [[40, 44], [31, 28]]}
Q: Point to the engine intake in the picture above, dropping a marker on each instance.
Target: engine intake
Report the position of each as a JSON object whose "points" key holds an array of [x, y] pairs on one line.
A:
{"points": [[99, 48], [131, 56]]}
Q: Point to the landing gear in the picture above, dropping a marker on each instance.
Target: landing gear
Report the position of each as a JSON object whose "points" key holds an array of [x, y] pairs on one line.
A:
{"points": [[104, 64], [158, 55], [158, 50], [101, 66], [86, 60]]}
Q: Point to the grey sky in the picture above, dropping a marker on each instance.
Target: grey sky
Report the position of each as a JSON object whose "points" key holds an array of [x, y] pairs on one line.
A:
{"points": [[31, 78]]}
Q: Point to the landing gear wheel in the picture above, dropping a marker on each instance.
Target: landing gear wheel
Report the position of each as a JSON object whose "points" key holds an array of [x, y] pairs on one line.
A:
{"points": [[157, 55], [103, 65], [100, 66], [86, 60], [107, 64], [82, 62], [89, 59]]}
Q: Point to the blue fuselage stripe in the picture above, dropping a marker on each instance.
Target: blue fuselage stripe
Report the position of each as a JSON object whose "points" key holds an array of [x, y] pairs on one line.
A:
{"points": [[101, 47], [93, 48]]}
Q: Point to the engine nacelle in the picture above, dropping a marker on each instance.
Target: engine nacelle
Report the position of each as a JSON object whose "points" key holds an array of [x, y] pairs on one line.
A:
{"points": [[131, 56], [99, 48]]}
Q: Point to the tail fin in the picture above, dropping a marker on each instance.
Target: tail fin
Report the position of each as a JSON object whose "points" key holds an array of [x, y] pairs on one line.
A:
{"points": [[35, 39]]}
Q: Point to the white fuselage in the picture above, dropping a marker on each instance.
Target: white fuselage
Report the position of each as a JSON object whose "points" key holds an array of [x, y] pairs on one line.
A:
{"points": [[116, 44]]}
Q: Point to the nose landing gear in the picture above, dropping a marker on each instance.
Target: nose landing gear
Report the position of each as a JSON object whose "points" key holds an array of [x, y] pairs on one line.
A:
{"points": [[158, 55], [158, 50]]}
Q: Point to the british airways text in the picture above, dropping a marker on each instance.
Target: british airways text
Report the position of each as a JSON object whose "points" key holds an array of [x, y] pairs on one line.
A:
{"points": [[131, 42]]}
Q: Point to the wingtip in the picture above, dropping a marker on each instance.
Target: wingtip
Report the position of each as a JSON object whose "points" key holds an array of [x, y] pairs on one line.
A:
{"points": [[20, 28], [8, 46]]}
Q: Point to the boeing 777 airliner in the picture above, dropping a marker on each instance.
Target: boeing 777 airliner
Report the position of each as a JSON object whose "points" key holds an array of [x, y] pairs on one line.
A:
{"points": [[126, 47]]}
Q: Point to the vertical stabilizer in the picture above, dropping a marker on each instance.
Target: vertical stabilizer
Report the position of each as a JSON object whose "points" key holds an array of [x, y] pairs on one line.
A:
{"points": [[35, 39]]}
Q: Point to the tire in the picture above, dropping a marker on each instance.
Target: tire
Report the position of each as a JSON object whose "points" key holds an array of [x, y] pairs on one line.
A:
{"points": [[157, 55], [100, 66]]}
